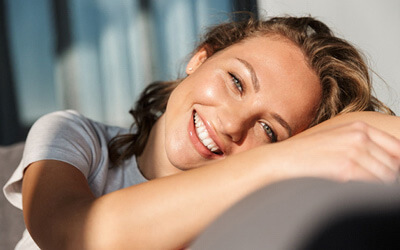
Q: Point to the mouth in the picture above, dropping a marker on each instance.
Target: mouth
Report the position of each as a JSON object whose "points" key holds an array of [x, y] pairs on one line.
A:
{"points": [[204, 136]]}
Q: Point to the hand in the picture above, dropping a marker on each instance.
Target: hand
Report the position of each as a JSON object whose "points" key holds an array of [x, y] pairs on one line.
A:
{"points": [[353, 151]]}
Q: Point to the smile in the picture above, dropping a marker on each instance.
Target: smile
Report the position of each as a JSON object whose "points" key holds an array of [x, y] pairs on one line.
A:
{"points": [[203, 135]]}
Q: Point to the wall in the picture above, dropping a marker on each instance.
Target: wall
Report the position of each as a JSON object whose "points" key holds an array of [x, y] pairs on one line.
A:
{"points": [[373, 26]]}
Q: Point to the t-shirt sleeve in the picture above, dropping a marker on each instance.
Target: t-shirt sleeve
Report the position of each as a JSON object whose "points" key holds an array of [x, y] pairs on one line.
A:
{"points": [[64, 136]]}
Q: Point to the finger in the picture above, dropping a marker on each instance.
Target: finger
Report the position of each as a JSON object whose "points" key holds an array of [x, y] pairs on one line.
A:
{"points": [[378, 162], [384, 157], [385, 140], [358, 173]]}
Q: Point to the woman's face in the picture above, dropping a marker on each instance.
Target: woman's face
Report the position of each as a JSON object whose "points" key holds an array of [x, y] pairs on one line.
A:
{"points": [[256, 92]]}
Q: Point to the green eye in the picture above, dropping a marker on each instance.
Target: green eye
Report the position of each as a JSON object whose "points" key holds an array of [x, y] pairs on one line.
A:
{"points": [[237, 82], [268, 130]]}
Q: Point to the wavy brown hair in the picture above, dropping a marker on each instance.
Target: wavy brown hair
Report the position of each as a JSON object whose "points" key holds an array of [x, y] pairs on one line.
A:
{"points": [[341, 68]]}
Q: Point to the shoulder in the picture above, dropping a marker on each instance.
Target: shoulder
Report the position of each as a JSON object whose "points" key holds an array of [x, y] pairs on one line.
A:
{"points": [[64, 118], [71, 122], [59, 121], [70, 137]]}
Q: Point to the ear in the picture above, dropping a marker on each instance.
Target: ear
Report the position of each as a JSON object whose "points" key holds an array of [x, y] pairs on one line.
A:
{"points": [[197, 59]]}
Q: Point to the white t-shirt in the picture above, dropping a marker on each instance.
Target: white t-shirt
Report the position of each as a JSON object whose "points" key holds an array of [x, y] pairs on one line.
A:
{"points": [[72, 138]]}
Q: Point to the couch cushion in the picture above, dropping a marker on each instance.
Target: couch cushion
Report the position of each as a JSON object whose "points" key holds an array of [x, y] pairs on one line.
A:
{"points": [[11, 219]]}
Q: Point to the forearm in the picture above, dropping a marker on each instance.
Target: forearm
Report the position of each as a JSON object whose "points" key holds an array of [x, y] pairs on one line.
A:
{"points": [[389, 124], [169, 212], [165, 213]]}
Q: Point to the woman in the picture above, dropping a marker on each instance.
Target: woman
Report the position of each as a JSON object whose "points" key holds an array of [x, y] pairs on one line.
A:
{"points": [[249, 84]]}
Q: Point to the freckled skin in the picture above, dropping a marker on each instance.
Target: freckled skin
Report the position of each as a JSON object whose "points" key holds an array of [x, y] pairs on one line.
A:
{"points": [[288, 87]]}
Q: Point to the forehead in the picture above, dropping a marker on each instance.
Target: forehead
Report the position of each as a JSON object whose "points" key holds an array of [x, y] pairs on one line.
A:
{"points": [[270, 48], [288, 85]]}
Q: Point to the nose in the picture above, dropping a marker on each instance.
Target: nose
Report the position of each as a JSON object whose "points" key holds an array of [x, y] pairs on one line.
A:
{"points": [[234, 123]]}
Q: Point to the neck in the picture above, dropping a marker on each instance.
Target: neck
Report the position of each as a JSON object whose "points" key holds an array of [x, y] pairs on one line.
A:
{"points": [[153, 162]]}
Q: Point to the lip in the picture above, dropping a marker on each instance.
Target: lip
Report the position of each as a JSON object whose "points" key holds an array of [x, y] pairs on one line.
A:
{"points": [[198, 145]]}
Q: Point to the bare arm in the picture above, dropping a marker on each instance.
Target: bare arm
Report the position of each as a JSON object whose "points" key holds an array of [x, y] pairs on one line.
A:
{"points": [[165, 213], [387, 123], [169, 212]]}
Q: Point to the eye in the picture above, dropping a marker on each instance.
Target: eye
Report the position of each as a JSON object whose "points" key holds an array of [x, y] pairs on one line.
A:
{"points": [[237, 83], [270, 133]]}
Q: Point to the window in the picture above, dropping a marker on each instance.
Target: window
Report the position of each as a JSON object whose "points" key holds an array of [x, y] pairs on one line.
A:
{"points": [[96, 56]]}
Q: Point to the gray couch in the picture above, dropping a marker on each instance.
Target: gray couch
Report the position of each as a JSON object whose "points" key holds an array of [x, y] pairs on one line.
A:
{"points": [[310, 214], [11, 219]]}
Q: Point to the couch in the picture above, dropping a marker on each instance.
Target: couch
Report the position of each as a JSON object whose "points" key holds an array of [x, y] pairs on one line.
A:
{"points": [[11, 218]]}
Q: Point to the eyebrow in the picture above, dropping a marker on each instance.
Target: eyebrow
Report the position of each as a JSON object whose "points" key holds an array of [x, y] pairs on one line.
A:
{"points": [[254, 79], [283, 123]]}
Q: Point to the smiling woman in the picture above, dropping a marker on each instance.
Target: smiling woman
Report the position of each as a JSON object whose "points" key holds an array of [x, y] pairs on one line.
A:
{"points": [[237, 114], [258, 95]]}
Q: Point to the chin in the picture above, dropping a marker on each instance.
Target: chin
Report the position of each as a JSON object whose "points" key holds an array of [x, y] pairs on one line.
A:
{"points": [[184, 164], [182, 159]]}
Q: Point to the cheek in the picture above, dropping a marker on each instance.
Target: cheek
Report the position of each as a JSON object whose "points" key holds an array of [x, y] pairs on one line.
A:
{"points": [[206, 90], [210, 92]]}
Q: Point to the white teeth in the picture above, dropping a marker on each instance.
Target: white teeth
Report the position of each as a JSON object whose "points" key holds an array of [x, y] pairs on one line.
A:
{"points": [[207, 141], [202, 133], [200, 128]]}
